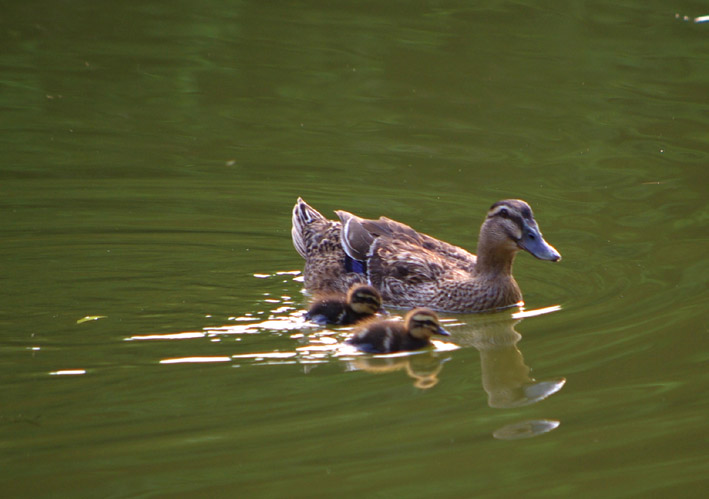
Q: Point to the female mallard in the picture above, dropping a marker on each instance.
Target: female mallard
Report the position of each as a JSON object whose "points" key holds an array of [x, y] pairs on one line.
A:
{"points": [[361, 301], [386, 336], [411, 269]]}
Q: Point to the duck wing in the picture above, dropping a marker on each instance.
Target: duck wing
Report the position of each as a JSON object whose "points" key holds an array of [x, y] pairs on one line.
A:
{"points": [[358, 238]]}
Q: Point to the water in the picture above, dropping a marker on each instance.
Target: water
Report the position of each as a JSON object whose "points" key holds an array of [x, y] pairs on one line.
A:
{"points": [[152, 336]]}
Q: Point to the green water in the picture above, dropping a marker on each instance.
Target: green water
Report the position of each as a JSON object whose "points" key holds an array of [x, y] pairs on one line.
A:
{"points": [[151, 337]]}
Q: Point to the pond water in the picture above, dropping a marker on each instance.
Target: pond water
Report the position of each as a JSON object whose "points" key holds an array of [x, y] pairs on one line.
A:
{"points": [[152, 333]]}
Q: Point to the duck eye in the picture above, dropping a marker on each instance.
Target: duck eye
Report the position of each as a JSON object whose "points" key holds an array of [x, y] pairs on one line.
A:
{"points": [[503, 213], [531, 235]]}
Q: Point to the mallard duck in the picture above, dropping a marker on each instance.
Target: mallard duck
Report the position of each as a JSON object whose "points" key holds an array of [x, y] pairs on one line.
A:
{"points": [[361, 301], [411, 269], [386, 336]]}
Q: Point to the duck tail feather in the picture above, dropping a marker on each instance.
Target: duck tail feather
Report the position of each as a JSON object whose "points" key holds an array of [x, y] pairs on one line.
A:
{"points": [[303, 215]]}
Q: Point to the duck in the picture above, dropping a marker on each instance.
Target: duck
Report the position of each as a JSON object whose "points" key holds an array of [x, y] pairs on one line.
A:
{"points": [[411, 269], [360, 302], [388, 336]]}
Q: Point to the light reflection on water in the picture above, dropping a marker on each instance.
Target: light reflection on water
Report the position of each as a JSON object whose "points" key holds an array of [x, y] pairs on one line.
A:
{"points": [[526, 429], [68, 372], [505, 375], [149, 186]]}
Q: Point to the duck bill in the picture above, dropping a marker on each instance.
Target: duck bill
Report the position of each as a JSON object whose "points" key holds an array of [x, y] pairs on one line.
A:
{"points": [[533, 242], [442, 332]]}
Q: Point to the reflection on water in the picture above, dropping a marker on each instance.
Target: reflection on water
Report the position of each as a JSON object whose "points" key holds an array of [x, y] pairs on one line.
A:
{"points": [[505, 376], [696, 20], [423, 368], [68, 372], [316, 345], [195, 360], [148, 174], [526, 429]]}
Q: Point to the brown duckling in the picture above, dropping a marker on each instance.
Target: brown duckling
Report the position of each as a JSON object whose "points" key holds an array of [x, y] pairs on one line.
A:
{"points": [[386, 336], [362, 301]]}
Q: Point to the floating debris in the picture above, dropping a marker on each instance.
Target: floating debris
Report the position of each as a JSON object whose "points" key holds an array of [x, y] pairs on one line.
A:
{"points": [[90, 318]]}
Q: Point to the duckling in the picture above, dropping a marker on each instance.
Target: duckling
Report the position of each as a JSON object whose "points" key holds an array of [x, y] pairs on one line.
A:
{"points": [[386, 336], [361, 301], [411, 269]]}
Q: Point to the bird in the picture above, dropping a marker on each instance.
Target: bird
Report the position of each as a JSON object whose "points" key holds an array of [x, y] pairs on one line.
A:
{"points": [[386, 336], [360, 302], [411, 269]]}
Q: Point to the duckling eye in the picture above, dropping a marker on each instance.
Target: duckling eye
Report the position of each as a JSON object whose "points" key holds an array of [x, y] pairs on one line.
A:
{"points": [[503, 213]]}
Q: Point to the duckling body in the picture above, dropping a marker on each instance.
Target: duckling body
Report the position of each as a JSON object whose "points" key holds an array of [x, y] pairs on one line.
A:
{"points": [[411, 269], [362, 301], [387, 336]]}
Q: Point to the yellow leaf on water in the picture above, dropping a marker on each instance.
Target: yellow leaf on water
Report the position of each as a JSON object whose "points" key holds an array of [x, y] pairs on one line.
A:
{"points": [[91, 318]]}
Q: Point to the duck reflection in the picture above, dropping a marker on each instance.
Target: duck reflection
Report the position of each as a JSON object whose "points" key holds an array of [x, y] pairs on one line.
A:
{"points": [[526, 429], [422, 367], [505, 376]]}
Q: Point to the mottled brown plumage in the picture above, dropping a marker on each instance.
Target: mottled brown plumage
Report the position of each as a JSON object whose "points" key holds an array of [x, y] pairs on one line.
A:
{"points": [[317, 239], [411, 269], [386, 336]]}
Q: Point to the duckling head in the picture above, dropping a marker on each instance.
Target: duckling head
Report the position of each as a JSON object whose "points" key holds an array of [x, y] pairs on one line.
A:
{"points": [[364, 299], [510, 227], [423, 323]]}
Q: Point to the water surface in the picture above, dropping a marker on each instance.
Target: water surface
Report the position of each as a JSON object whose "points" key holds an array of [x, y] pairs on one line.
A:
{"points": [[153, 342]]}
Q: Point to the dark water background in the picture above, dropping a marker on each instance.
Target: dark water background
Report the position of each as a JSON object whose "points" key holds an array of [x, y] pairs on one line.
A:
{"points": [[149, 296]]}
